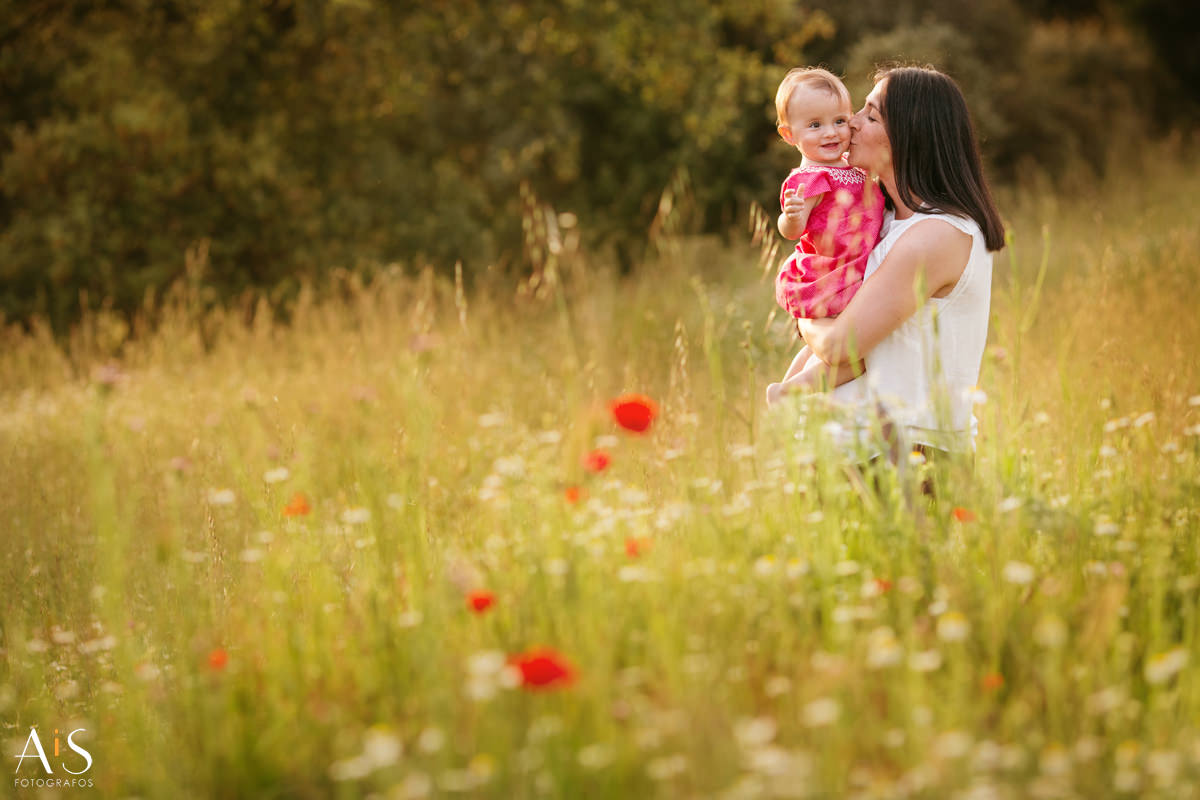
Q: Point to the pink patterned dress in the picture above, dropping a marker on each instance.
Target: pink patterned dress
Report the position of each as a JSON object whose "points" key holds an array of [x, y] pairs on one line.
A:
{"points": [[827, 267]]}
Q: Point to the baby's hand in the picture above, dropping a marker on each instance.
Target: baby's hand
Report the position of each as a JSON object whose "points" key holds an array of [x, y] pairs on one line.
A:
{"points": [[793, 202]]}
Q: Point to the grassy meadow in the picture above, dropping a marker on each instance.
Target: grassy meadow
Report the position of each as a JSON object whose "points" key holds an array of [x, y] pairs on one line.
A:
{"points": [[252, 558]]}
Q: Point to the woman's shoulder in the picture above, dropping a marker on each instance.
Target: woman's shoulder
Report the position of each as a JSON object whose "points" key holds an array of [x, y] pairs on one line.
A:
{"points": [[928, 236], [948, 246], [961, 223]]}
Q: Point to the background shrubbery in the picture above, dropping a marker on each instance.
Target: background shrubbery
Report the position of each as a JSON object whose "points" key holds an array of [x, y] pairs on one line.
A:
{"points": [[288, 138]]}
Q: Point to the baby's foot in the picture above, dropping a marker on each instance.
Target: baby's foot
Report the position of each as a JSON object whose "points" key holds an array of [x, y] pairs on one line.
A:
{"points": [[774, 394]]}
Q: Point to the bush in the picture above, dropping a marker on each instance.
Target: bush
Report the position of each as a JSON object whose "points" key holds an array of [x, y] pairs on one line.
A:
{"points": [[296, 139]]}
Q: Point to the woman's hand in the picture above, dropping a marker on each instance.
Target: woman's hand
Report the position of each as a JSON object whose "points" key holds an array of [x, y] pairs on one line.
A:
{"points": [[816, 334]]}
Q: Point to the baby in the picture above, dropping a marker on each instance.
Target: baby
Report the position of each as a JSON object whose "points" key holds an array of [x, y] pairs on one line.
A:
{"points": [[831, 209]]}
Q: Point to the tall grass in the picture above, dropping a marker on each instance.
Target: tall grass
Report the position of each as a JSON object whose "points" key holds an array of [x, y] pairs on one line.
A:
{"points": [[743, 619]]}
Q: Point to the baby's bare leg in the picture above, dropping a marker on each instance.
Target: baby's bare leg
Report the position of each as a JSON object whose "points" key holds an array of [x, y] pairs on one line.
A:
{"points": [[798, 362]]}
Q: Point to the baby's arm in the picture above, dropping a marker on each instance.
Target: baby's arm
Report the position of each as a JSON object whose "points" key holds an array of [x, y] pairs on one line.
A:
{"points": [[796, 208]]}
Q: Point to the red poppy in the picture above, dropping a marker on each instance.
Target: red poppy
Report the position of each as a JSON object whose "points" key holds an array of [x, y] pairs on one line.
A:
{"points": [[636, 547], [217, 660], [573, 494], [298, 506], [634, 412], [480, 600], [962, 514], [992, 681], [883, 585], [597, 461], [543, 668]]}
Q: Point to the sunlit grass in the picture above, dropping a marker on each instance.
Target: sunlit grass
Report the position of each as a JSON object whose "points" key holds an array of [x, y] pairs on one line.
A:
{"points": [[241, 554]]}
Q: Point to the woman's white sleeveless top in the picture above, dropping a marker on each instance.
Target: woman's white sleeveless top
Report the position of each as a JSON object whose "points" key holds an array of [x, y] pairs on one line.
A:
{"points": [[925, 372]]}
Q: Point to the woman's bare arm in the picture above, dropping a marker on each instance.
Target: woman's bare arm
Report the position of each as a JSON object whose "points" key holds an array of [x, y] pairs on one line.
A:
{"points": [[926, 261]]}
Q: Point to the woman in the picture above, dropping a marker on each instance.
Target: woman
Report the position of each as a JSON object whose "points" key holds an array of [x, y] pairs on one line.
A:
{"points": [[920, 319]]}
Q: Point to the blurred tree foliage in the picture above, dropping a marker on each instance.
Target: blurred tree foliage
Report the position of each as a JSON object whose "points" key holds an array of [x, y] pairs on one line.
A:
{"points": [[293, 137]]}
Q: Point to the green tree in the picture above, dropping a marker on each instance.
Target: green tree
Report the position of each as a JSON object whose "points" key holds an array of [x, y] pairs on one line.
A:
{"points": [[295, 137]]}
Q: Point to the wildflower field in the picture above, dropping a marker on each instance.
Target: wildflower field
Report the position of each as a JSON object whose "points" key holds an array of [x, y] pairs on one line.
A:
{"points": [[426, 539]]}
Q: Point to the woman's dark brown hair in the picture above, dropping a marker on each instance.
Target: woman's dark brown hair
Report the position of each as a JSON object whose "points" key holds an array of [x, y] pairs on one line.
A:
{"points": [[934, 152]]}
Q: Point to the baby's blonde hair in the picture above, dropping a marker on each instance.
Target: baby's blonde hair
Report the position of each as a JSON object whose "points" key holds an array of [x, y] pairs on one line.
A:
{"points": [[817, 78]]}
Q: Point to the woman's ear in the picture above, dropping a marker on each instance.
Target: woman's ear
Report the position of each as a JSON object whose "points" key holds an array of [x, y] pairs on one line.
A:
{"points": [[785, 133]]}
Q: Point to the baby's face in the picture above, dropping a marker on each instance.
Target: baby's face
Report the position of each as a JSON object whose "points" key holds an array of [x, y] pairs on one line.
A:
{"points": [[819, 125]]}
